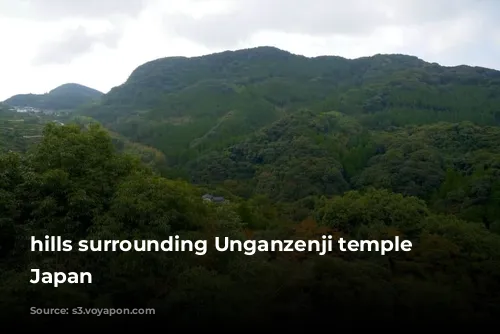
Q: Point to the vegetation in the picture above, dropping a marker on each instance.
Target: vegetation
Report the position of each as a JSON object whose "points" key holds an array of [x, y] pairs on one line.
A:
{"points": [[18, 131], [371, 148], [189, 106], [21, 130], [65, 97]]}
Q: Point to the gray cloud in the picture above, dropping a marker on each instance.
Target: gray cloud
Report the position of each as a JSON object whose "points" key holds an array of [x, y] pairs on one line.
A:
{"points": [[56, 9], [320, 17], [73, 44]]}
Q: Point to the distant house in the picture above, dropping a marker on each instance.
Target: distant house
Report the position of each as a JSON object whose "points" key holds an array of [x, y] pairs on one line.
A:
{"points": [[211, 198]]}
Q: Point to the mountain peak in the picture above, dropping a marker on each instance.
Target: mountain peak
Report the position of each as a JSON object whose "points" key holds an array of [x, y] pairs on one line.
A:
{"points": [[64, 97], [74, 88]]}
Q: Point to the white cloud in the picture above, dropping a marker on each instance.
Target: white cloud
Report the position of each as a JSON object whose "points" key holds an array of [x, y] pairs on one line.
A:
{"points": [[56, 9], [74, 43], [99, 43]]}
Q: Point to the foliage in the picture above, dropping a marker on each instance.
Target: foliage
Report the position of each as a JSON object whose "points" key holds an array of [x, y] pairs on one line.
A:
{"points": [[372, 148], [74, 184], [187, 106]]}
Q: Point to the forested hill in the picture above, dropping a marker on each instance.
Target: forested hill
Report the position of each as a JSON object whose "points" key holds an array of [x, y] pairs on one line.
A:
{"points": [[267, 122], [454, 167], [65, 97], [184, 106], [296, 148]]}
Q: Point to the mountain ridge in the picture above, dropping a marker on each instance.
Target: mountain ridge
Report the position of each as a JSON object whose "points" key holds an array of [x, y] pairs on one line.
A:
{"points": [[266, 52], [185, 106], [284, 52]]}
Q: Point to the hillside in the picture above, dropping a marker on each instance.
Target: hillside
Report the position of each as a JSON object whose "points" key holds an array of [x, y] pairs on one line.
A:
{"points": [[186, 106], [265, 122], [64, 97], [74, 184], [20, 131], [372, 149], [454, 167]]}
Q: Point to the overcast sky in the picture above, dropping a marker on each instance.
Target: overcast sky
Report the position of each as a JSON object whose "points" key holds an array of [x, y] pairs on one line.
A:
{"points": [[98, 43]]}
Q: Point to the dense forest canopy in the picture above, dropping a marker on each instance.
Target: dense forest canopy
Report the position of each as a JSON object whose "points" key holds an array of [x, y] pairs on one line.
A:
{"points": [[297, 147], [187, 106]]}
